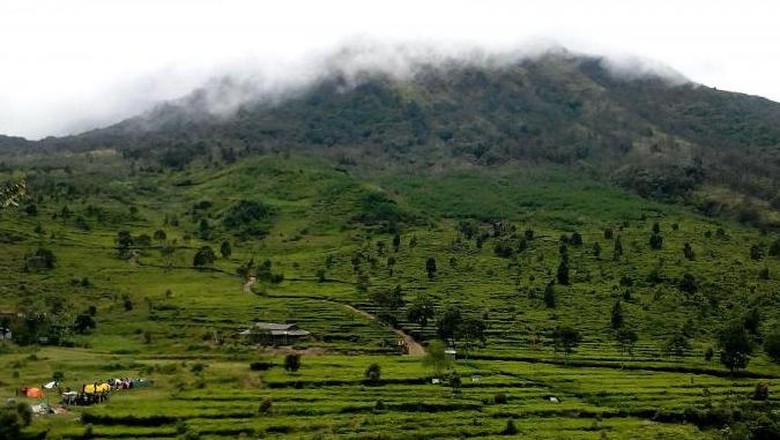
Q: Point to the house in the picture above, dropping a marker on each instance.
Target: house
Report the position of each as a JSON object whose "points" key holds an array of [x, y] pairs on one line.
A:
{"points": [[269, 333]]}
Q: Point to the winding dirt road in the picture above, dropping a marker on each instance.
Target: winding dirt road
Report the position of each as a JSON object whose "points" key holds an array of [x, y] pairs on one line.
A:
{"points": [[415, 349]]}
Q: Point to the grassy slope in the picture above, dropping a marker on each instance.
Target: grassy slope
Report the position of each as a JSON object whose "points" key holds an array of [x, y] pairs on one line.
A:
{"points": [[315, 205]]}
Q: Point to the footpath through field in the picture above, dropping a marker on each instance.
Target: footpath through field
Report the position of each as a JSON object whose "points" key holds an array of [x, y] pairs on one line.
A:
{"points": [[415, 348]]}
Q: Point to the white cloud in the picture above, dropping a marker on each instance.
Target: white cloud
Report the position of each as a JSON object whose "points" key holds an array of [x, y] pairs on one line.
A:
{"points": [[82, 63]]}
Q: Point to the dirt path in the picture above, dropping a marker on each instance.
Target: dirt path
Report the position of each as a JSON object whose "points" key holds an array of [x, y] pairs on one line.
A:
{"points": [[415, 349]]}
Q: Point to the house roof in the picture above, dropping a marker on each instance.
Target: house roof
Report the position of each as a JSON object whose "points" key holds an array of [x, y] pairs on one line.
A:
{"points": [[274, 326], [275, 329]]}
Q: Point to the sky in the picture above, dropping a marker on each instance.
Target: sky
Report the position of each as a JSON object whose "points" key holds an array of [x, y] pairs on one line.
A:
{"points": [[68, 66]]}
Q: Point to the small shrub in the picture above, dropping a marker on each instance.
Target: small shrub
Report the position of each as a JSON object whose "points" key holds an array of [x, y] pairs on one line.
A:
{"points": [[265, 406], [292, 363], [500, 399], [510, 428], [761, 392], [373, 374]]}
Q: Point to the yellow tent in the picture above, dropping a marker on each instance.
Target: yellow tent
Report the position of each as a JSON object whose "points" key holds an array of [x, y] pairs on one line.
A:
{"points": [[100, 388]]}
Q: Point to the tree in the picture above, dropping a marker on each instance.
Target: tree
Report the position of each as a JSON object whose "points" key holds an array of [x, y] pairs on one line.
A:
{"points": [[373, 374], [566, 339], [616, 320], [203, 257], [576, 239], [688, 284], [656, 241], [84, 323], [13, 419], [160, 235], [617, 252], [430, 267], [772, 346], [469, 228], [472, 332], [751, 322], [608, 233], [774, 248], [510, 428], [124, 241], [436, 357], [396, 242], [626, 340], [41, 258], [204, 229], [454, 381], [678, 344], [656, 228], [549, 295], [421, 310], [292, 362], [563, 272], [389, 299], [756, 252], [225, 249], [688, 252], [448, 324], [735, 347], [596, 249]]}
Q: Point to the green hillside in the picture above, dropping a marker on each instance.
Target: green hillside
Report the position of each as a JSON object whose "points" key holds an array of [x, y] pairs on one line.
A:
{"points": [[569, 234]]}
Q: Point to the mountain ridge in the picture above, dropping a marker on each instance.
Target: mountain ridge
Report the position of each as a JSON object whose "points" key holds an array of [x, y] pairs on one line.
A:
{"points": [[661, 136]]}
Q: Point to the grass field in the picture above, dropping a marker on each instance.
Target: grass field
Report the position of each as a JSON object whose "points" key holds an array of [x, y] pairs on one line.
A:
{"points": [[160, 318]]}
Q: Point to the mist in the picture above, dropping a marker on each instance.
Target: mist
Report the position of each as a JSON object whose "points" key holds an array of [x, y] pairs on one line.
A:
{"points": [[90, 64]]}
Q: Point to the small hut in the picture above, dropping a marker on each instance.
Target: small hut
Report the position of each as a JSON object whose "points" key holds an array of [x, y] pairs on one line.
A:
{"points": [[269, 333]]}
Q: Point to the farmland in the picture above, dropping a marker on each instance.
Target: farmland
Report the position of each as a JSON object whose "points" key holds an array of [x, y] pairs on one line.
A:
{"points": [[533, 249], [160, 317]]}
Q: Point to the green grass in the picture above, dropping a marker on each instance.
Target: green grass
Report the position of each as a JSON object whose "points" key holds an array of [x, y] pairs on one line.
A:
{"points": [[182, 316]]}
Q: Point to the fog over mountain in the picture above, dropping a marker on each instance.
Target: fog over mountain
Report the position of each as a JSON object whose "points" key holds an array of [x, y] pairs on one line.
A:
{"points": [[94, 63]]}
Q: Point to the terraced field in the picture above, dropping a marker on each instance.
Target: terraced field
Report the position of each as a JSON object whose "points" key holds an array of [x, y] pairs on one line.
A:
{"points": [[159, 316], [328, 398]]}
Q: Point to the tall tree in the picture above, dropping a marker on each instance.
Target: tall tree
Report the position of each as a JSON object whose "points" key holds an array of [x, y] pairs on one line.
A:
{"points": [[735, 347], [421, 310], [436, 357], [203, 257], [617, 252], [567, 339], [430, 267], [225, 249], [448, 324], [616, 320], [626, 340]]}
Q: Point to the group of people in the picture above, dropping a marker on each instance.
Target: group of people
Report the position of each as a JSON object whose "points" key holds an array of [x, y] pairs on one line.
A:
{"points": [[93, 393]]}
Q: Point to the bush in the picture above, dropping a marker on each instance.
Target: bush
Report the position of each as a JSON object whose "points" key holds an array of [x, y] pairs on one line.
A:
{"points": [[373, 374], [248, 218], [761, 392], [510, 428], [41, 258], [292, 363], [265, 406], [772, 346], [500, 399]]}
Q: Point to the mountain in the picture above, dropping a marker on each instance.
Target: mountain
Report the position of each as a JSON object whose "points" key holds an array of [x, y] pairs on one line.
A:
{"points": [[661, 136]]}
